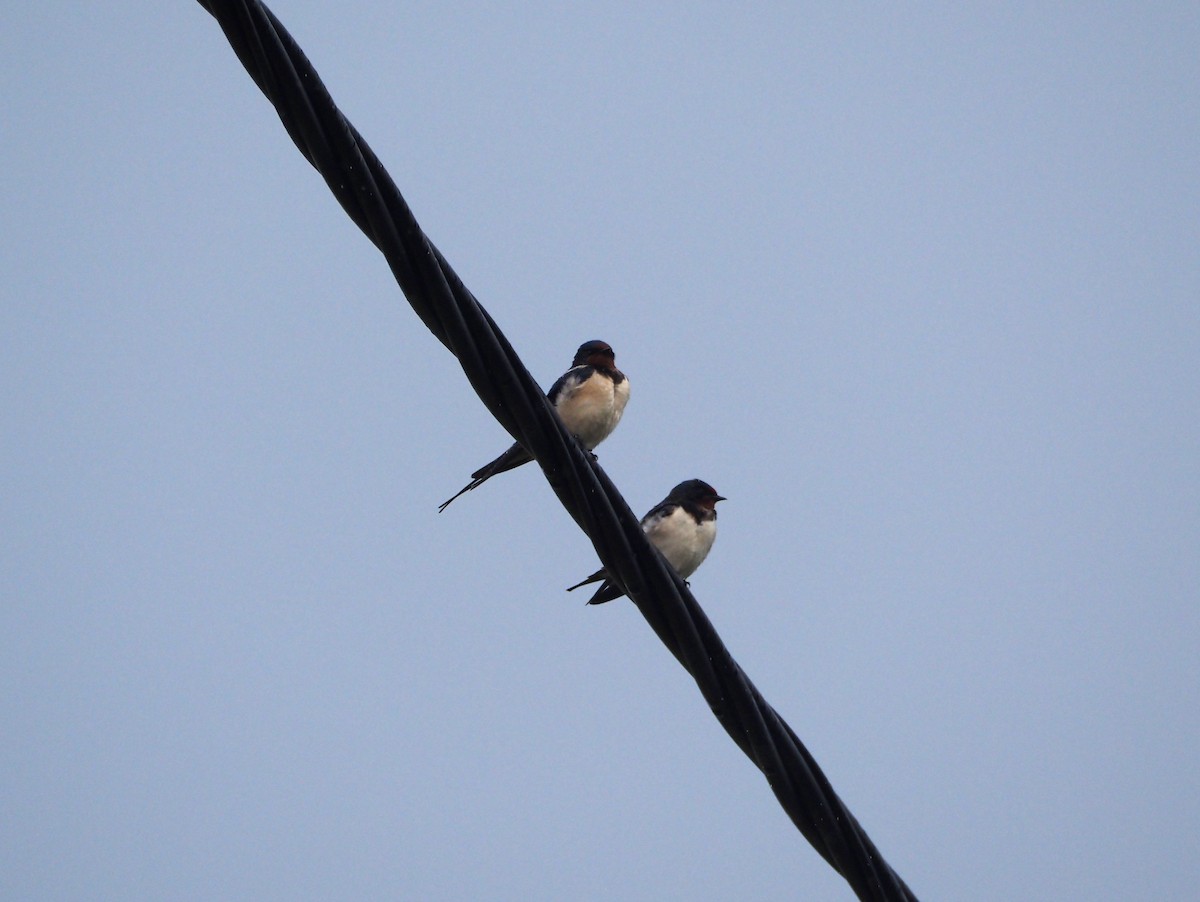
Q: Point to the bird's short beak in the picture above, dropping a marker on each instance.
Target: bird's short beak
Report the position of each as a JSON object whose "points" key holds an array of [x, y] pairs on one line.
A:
{"points": [[720, 498]]}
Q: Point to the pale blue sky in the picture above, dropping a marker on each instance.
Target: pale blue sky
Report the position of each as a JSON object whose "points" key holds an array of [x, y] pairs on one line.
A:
{"points": [[917, 288]]}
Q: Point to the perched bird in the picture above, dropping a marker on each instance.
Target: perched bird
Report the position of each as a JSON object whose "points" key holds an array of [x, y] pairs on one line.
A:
{"points": [[589, 398], [682, 527]]}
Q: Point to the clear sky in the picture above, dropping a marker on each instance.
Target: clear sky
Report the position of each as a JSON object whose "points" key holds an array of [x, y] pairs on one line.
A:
{"points": [[916, 287]]}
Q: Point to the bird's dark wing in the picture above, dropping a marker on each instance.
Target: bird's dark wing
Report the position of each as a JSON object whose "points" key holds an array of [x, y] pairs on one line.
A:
{"points": [[663, 509], [568, 381], [606, 592]]}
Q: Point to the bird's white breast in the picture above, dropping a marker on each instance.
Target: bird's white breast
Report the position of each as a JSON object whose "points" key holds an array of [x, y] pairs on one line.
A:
{"points": [[683, 542], [591, 408]]}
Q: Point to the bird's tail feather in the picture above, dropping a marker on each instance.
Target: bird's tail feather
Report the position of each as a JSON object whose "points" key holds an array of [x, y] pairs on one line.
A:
{"points": [[509, 460], [595, 577], [473, 484]]}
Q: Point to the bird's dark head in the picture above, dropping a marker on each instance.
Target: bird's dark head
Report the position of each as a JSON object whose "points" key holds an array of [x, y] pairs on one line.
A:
{"points": [[696, 491], [595, 353]]}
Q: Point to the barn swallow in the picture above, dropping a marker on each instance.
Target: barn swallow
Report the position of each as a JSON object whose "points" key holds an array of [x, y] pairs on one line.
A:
{"points": [[589, 398], [682, 527]]}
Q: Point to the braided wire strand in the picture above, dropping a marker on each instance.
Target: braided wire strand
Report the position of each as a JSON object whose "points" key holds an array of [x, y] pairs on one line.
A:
{"points": [[371, 199]]}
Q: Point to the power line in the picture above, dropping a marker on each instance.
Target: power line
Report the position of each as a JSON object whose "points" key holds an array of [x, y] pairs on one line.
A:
{"points": [[371, 199]]}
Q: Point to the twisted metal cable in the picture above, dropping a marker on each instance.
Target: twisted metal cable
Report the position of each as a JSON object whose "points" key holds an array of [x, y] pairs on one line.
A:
{"points": [[371, 199]]}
